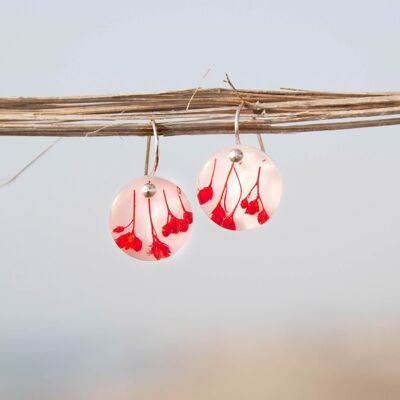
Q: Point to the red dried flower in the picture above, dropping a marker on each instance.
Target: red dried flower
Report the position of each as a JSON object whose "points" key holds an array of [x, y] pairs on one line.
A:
{"points": [[229, 223], [182, 225], [136, 244], [244, 203], [166, 229], [218, 214], [174, 224], [159, 249], [129, 241], [253, 207], [188, 217], [118, 229], [262, 217], [205, 194]]}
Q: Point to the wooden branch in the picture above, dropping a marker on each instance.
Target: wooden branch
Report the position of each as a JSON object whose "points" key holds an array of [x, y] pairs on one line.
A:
{"points": [[211, 111]]}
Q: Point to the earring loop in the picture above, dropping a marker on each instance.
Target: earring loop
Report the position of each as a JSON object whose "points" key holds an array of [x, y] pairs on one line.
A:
{"points": [[261, 142], [150, 218], [237, 135], [156, 151], [237, 117]]}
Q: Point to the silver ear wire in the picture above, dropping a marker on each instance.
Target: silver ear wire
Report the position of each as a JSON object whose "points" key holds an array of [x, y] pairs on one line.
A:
{"points": [[237, 135], [237, 117], [156, 151], [261, 142]]}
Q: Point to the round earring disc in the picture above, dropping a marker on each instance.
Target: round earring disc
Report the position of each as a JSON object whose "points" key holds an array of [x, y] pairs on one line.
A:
{"points": [[239, 195], [150, 227]]}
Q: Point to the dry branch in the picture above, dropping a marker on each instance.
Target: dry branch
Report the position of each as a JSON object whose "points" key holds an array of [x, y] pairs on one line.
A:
{"points": [[211, 112]]}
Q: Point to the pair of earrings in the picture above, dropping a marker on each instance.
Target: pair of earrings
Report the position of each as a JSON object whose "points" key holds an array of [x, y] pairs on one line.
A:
{"points": [[239, 188]]}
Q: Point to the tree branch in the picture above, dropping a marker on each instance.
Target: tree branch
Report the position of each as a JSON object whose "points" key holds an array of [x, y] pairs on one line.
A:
{"points": [[211, 112]]}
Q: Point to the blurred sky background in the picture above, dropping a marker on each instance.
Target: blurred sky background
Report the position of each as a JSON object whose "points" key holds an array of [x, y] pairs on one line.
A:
{"points": [[74, 310]]}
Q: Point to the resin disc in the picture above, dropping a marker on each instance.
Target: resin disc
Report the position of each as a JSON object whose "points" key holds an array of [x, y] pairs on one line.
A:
{"points": [[150, 228], [239, 195]]}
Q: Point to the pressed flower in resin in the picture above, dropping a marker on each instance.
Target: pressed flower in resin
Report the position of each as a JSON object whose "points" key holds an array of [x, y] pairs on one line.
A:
{"points": [[150, 227], [242, 192], [206, 193]]}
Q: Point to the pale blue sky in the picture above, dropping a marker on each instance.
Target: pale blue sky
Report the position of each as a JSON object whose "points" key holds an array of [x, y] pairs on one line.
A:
{"points": [[329, 256]]}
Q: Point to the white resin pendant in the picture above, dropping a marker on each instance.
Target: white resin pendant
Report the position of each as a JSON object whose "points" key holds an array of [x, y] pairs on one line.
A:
{"points": [[239, 187], [150, 218]]}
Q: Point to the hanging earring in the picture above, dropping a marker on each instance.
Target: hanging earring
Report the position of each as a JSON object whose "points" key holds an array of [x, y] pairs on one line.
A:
{"points": [[239, 187], [150, 217]]}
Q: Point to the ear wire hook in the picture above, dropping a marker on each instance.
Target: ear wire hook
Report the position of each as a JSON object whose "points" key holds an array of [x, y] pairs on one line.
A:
{"points": [[156, 151], [261, 142], [237, 135], [237, 117]]}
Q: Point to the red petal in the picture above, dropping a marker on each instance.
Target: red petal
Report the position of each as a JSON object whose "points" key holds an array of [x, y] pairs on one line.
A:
{"points": [[124, 240], [188, 217], [182, 225], [136, 244], [159, 249], [173, 223], [118, 229], [218, 214], [262, 217], [229, 223], [205, 194], [129, 241], [166, 229], [253, 207]]}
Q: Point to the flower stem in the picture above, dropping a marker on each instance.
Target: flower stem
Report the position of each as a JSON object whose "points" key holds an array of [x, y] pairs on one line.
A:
{"points": [[166, 202], [226, 183], [258, 182], [180, 199], [153, 231], [241, 191], [133, 212], [212, 175]]}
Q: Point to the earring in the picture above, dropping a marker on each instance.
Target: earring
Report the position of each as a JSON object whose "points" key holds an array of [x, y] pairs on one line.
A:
{"points": [[239, 187], [150, 217]]}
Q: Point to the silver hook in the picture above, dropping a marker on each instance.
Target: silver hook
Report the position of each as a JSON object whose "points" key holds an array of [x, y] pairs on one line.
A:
{"points": [[237, 117], [237, 136], [156, 151], [261, 142]]}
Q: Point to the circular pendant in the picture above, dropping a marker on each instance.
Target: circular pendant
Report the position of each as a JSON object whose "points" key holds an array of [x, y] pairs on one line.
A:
{"points": [[239, 187], [150, 218]]}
